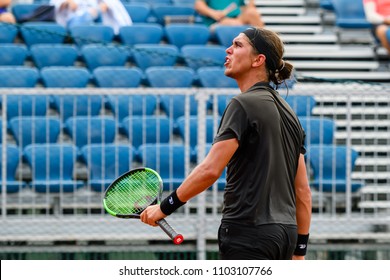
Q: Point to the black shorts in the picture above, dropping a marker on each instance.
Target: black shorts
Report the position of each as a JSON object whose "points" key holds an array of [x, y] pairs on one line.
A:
{"points": [[265, 242]]}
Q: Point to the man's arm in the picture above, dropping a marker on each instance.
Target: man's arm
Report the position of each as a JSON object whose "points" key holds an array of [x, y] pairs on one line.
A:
{"points": [[202, 177], [303, 201]]}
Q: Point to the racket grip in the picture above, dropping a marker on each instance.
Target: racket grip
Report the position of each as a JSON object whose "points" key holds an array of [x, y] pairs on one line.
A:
{"points": [[176, 237]]}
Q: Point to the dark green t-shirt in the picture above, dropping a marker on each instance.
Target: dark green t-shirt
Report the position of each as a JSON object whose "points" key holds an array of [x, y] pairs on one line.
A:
{"points": [[221, 5], [260, 175]]}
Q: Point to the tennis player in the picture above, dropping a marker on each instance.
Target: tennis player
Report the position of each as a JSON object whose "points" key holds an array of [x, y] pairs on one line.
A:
{"points": [[267, 200]]}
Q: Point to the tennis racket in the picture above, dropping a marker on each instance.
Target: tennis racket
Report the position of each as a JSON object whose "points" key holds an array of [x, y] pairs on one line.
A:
{"points": [[132, 192]]}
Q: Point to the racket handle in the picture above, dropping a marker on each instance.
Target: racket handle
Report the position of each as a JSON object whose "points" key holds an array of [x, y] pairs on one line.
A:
{"points": [[176, 237]]}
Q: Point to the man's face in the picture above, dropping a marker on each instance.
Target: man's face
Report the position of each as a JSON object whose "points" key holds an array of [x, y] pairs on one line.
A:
{"points": [[239, 57]]}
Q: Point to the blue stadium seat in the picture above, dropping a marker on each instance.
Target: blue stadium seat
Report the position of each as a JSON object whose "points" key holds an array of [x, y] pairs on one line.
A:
{"points": [[8, 32], [52, 167], [65, 77], [166, 14], [302, 105], [214, 77], [13, 54], [211, 129], [27, 105], [327, 5], [319, 130], [20, 10], [139, 12], [18, 76], [141, 33], [196, 56], [117, 76], [106, 162], [43, 33], [13, 159], [170, 76], [168, 160], [350, 14], [187, 34], [223, 101], [46, 55], [174, 105], [184, 2], [85, 130], [154, 2], [147, 129], [77, 105], [92, 34], [131, 105], [148, 55], [329, 166], [96, 55], [34, 130], [225, 34]]}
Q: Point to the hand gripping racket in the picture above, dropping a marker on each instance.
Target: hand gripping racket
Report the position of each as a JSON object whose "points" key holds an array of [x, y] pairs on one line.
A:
{"points": [[132, 192]]}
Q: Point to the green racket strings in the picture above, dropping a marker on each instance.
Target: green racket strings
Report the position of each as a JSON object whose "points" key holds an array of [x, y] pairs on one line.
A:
{"points": [[132, 193]]}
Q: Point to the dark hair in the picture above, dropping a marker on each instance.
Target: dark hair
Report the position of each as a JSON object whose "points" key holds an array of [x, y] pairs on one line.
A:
{"points": [[268, 42]]}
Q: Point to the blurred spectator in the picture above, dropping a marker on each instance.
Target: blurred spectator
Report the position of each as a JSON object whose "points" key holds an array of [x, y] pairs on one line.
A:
{"points": [[5, 15], [228, 12], [74, 12], [378, 13]]}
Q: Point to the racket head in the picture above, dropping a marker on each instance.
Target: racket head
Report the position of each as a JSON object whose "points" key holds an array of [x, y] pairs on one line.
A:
{"points": [[132, 192]]}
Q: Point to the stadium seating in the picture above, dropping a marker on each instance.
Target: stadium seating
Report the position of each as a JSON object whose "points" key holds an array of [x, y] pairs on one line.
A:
{"points": [[77, 105], [187, 34], [147, 129], [302, 105], [223, 101], [43, 33], [92, 34], [19, 10], [174, 105], [52, 167], [27, 105], [33, 130], [224, 35], [130, 105], [319, 130], [13, 54], [214, 77], [329, 164], [196, 56], [141, 33], [168, 160], [46, 55], [13, 159], [65, 77], [8, 32], [96, 55], [105, 162], [18, 76], [170, 76], [211, 129], [117, 77], [85, 130], [350, 14], [148, 55], [139, 12]]}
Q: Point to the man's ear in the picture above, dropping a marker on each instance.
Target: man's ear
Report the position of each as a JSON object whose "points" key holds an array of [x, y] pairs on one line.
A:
{"points": [[259, 60]]}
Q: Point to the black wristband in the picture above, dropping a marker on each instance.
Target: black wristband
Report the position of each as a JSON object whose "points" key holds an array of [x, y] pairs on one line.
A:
{"points": [[171, 203], [301, 248]]}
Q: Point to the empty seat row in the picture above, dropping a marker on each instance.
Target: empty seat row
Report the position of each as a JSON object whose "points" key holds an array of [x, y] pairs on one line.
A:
{"points": [[139, 33], [52, 166], [96, 55]]}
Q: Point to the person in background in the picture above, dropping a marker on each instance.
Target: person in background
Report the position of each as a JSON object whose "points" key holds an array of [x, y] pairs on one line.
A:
{"points": [[5, 15], [228, 12], [266, 210], [75, 12], [378, 13]]}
